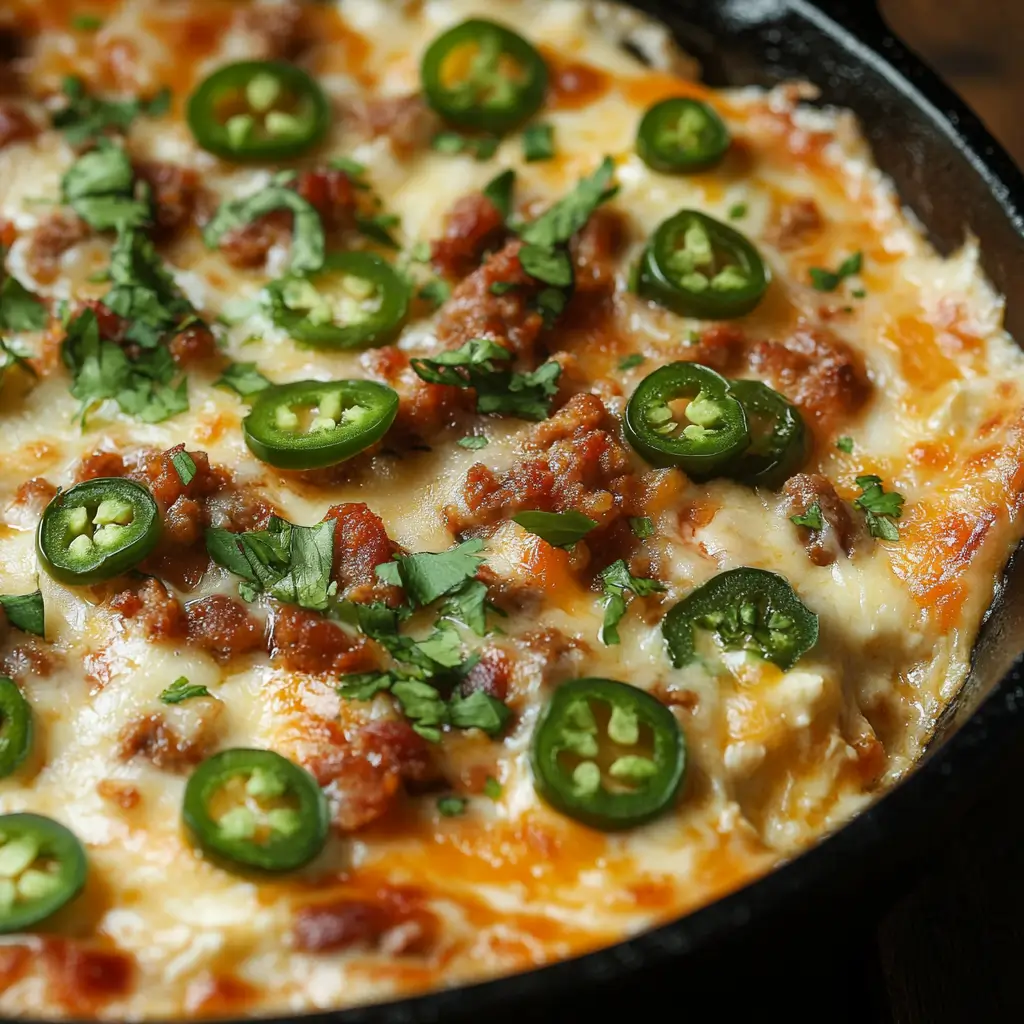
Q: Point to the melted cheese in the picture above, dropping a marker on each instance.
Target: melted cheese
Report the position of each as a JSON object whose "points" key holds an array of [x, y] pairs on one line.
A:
{"points": [[775, 756]]}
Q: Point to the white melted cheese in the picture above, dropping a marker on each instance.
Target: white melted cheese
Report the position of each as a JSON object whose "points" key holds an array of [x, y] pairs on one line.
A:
{"points": [[773, 756]]}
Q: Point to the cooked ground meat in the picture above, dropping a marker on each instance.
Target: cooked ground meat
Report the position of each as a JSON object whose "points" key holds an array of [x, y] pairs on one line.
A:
{"points": [[175, 192], [305, 641], [275, 31], [723, 347], [15, 124], [817, 371], [84, 978], [471, 227], [839, 533], [222, 626], [795, 223], [596, 250], [582, 470], [35, 494], [406, 121], [361, 543], [176, 737], [160, 612], [99, 464], [490, 674], [50, 240], [474, 311], [193, 346]]}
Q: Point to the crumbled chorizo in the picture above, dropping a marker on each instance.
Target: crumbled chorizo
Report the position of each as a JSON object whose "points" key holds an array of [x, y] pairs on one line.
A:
{"points": [[405, 121], [490, 674], [307, 642], [122, 794], [333, 195], [423, 408], [795, 223], [82, 978], [581, 470], [157, 471], [176, 737], [247, 245], [596, 249], [194, 345], [839, 534], [50, 240], [275, 31], [723, 347], [34, 495], [99, 464], [15, 124], [510, 319], [393, 922], [175, 191], [363, 778], [159, 611], [816, 370], [361, 543], [471, 227], [222, 626]]}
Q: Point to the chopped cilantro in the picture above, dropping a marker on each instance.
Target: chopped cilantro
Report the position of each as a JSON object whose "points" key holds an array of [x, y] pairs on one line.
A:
{"points": [[308, 241], [184, 466], [503, 287], [423, 706], [451, 806], [538, 142], [552, 266], [859, 293], [181, 689], [25, 611], [428, 575], [631, 361], [20, 310], [880, 507], [100, 187], [829, 280], [845, 444], [618, 580], [499, 190], [480, 147], [84, 117], [378, 228], [290, 563], [364, 685], [562, 220], [469, 605], [478, 711], [242, 378], [812, 518], [473, 442], [492, 788], [86, 23], [483, 364], [642, 527], [355, 170], [560, 529], [737, 211], [435, 291]]}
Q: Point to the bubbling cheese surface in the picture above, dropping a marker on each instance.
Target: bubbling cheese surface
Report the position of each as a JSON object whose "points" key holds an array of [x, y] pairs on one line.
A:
{"points": [[777, 759]]}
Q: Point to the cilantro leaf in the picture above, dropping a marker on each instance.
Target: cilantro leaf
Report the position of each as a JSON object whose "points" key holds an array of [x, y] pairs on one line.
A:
{"points": [[364, 685], [473, 442], [737, 211], [829, 280], [499, 190], [308, 241], [845, 444], [562, 220], [812, 518], [84, 117], [181, 689], [478, 711], [492, 788], [378, 228], [100, 188], [560, 529], [451, 806], [242, 378], [483, 364], [618, 581], [480, 147], [25, 611], [631, 361], [538, 142], [184, 465], [642, 527], [86, 23], [423, 706], [429, 575], [290, 563], [436, 292], [468, 605], [20, 310], [880, 507], [552, 266]]}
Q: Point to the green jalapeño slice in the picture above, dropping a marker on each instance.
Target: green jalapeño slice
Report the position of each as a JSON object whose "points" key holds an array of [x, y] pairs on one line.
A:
{"points": [[779, 440], [258, 110], [607, 754], [312, 424], [745, 610], [42, 867], [681, 135], [696, 266], [255, 809], [97, 530], [15, 727], [356, 301], [685, 414], [483, 76]]}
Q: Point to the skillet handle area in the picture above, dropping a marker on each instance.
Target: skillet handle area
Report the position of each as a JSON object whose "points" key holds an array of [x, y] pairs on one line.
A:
{"points": [[850, 14]]}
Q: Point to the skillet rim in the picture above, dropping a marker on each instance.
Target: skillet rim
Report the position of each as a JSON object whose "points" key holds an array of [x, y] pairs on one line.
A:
{"points": [[948, 774]]}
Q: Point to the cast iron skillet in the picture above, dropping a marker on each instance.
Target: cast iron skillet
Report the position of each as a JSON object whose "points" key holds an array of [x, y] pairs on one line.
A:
{"points": [[954, 177]]}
